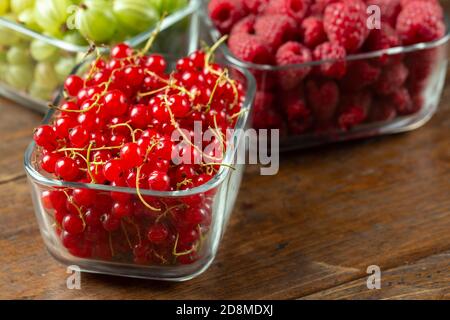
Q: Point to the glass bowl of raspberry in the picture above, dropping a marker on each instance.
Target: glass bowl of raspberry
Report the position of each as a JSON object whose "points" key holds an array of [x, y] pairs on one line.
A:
{"points": [[330, 71], [133, 171], [34, 61]]}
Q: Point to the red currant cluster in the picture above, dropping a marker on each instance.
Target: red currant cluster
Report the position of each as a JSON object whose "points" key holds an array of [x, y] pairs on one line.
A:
{"points": [[115, 128]]}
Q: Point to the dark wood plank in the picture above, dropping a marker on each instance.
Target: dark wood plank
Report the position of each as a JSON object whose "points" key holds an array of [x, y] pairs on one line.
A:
{"points": [[16, 125], [428, 278]]}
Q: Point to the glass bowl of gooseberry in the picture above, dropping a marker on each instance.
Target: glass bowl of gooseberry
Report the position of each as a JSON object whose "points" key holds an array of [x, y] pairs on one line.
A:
{"points": [[36, 58], [107, 195]]}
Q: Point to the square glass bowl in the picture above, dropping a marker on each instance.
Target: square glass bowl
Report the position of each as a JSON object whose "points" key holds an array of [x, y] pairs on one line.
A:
{"points": [[33, 65], [201, 212], [383, 92]]}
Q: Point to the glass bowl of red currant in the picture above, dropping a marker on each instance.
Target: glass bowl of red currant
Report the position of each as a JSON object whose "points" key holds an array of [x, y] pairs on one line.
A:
{"points": [[329, 71], [113, 191]]}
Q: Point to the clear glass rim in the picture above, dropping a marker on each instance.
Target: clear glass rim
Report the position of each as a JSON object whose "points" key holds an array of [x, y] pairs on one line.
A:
{"points": [[138, 39], [214, 182], [215, 34]]}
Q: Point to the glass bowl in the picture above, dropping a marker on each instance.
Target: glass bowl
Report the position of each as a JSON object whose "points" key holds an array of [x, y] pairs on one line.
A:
{"points": [[35, 81], [383, 92], [199, 215]]}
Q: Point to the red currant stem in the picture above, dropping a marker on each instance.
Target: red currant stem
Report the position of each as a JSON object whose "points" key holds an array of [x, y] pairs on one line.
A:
{"points": [[177, 127], [214, 47], [111, 244], [88, 163], [93, 149], [130, 221], [202, 238], [133, 137], [149, 93], [178, 254], [153, 36], [237, 114], [160, 257], [138, 191], [167, 211], [185, 182], [126, 234], [94, 66], [80, 213], [216, 85]]}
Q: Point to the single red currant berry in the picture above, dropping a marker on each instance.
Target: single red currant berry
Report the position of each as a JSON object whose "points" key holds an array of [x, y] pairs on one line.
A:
{"points": [[110, 223], [70, 240], [59, 216], [49, 162], [92, 217], [84, 197], [67, 109], [140, 250], [54, 199], [160, 112], [73, 85], [134, 75], [113, 170], [63, 125], [159, 181], [122, 209], [121, 51], [188, 236], [139, 116], [73, 224], [156, 64], [79, 137], [131, 155], [185, 64], [157, 233], [198, 59], [45, 137], [179, 105], [115, 103], [67, 169]]}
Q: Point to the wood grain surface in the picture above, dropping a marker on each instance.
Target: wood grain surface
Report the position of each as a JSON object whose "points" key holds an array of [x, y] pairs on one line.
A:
{"points": [[308, 233]]}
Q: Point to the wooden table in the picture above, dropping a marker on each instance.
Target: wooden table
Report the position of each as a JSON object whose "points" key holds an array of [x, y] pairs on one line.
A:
{"points": [[308, 233]]}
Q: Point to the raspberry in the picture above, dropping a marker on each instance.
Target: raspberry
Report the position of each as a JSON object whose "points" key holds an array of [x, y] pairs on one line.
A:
{"points": [[293, 53], [389, 10], [382, 111], [420, 22], [323, 98], [380, 39], [294, 106], [255, 6], [353, 109], [312, 32], [360, 74], [435, 3], [402, 101], [421, 63], [246, 25], [345, 24], [331, 51], [225, 13], [249, 48], [391, 79], [318, 7], [275, 30], [296, 9], [264, 114]]}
